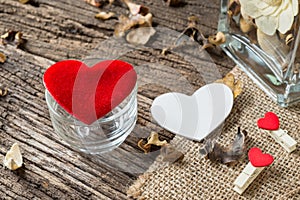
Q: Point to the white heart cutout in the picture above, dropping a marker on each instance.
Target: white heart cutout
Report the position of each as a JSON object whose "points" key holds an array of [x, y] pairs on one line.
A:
{"points": [[196, 116]]}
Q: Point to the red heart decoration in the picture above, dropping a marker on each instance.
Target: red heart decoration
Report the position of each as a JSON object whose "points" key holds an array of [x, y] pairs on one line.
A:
{"points": [[269, 122], [89, 93], [258, 159]]}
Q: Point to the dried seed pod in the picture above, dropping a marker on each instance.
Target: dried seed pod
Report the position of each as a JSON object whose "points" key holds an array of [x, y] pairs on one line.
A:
{"points": [[246, 26], [3, 92], [216, 153], [24, 1], [140, 36], [217, 39], [175, 3], [13, 38], [95, 3], [153, 139], [13, 158], [145, 147], [2, 57], [104, 15], [234, 85]]}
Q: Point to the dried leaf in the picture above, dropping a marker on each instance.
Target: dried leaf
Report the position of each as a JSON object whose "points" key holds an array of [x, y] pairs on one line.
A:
{"points": [[217, 39], [95, 3], [170, 154], [234, 85], [2, 57], [104, 15], [142, 145], [3, 92], [153, 139], [140, 36], [126, 23], [13, 158], [289, 38], [175, 3], [24, 1], [12, 37], [136, 9], [215, 153], [245, 25]]}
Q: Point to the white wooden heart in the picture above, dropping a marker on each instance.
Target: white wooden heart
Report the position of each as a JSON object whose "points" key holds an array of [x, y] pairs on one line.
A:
{"points": [[196, 116]]}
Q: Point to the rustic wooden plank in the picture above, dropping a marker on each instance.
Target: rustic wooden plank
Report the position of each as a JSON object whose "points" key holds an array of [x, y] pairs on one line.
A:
{"points": [[62, 29]]}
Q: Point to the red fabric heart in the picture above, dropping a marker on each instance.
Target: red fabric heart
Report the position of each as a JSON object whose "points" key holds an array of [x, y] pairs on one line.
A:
{"points": [[89, 93], [269, 122], [258, 159]]}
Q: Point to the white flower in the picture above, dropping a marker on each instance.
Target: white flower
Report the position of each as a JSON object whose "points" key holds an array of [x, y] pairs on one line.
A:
{"points": [[271, 15]]}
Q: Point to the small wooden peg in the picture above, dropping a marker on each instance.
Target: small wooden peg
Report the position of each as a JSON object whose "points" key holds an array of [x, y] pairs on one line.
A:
{"points": [[258, 162], [245, 178], [284, 139]]}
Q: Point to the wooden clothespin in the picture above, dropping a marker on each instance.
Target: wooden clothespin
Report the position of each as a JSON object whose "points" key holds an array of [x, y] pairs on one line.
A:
{"points": [[258, 162], [271, 123]]}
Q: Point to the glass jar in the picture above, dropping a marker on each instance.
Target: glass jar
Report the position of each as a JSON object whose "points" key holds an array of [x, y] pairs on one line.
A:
{"points": [[262, 37], [105, 134]]}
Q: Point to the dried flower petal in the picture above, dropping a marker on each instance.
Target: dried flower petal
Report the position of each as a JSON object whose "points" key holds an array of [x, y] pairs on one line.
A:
{"points": [[170, 154], [2, 57], [140, 36], [145, 147], [13, 38], [126, 23], [235, 86], [217, 39], [289, 38], [153, 139], [13, 158], [3, 92], [95, 3], [104, 15], [175, 3], [215, 153], [24, 1]]}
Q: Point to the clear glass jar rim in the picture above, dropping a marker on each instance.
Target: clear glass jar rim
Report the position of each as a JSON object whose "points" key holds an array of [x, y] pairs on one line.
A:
{"points": [[121, 112]]}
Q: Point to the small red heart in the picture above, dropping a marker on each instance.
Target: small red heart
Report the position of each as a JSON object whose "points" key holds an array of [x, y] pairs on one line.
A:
{"points": [[258, 159], [269, 122], [89, 93]]}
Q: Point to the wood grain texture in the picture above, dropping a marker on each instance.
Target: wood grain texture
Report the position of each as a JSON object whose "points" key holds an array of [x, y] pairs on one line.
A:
{"points": [[64, 29]]}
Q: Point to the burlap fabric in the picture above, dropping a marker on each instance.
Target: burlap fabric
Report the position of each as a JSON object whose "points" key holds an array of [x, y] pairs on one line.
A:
{"points": [[198, 178]]}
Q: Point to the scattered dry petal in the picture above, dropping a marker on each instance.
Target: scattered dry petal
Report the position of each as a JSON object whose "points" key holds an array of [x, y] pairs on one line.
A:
{"points": [[217, 39], [153, 139], [104, 15], [24, 1], [12, 37], [2, 57], [95, 3], [126, 23], [245, 25], [140, 36], [136, 9], [234, 85], [13, 158], [170, 154], [289, 38], [215, 153], [145, 147], [175, 3], [3, 92]]}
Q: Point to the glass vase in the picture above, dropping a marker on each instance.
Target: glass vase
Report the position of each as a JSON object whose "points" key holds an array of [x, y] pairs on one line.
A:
{"points": [[262, 37]]}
